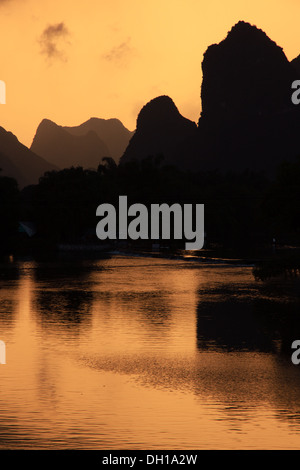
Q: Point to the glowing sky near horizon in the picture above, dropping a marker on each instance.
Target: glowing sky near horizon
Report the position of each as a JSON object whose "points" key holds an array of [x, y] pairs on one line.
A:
{"points": [[70, 60]]}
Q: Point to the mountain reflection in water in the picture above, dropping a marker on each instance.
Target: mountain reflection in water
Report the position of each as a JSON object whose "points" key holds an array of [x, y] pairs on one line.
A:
{"points": [[127, 352]]}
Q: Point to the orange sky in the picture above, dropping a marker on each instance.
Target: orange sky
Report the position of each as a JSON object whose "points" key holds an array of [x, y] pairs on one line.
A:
{"points": [[70, 60]]}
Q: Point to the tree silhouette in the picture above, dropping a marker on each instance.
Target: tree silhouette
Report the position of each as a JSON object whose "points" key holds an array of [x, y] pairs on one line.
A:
{"points": [[9, 211]]}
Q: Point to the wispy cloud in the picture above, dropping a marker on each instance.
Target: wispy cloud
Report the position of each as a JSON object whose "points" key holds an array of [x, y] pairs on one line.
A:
{"points": [[51, 41], [120, 54], [7, 2]]}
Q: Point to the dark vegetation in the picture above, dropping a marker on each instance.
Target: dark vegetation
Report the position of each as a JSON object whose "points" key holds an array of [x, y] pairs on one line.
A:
{"points": [[9, 212], [243, 211]]}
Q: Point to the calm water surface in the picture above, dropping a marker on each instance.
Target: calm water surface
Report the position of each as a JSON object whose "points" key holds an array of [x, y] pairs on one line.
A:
{"points": [[146, 353]]}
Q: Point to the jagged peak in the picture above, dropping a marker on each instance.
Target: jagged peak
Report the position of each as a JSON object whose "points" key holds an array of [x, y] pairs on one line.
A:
{"points": [[245, 35], [47, 122], [243, 27]]}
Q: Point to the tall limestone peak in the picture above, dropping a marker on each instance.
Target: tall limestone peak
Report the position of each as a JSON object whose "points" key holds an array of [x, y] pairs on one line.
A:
{"points": [[245, 75], [160, 111], [160, 129]]}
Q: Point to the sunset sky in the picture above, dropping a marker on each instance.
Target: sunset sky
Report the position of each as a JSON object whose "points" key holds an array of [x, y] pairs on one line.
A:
{"points": [[71, 60]]}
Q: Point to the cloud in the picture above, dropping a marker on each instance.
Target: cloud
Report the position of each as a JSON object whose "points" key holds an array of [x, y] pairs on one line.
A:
{"points": [[6, 2], [120, 54], [51, 39]]}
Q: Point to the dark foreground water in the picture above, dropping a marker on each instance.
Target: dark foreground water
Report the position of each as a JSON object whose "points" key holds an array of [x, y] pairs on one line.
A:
{"points": [[147, 353]]}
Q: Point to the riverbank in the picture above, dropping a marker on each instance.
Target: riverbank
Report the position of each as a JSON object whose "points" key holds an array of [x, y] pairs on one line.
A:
{"points": [[267, 260]]}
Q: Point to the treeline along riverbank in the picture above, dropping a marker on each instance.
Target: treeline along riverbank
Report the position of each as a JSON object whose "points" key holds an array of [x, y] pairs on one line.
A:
{"points": [[245, 213]]}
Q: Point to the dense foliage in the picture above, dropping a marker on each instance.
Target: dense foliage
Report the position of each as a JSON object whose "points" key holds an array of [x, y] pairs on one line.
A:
{"points": [[240, 209]]}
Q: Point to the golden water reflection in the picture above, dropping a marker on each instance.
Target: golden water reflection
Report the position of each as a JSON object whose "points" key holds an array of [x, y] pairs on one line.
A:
{"points": [[145, 353]]}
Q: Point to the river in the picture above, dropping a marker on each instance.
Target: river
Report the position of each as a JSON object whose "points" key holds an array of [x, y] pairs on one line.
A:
{"points": [[141, 352]]}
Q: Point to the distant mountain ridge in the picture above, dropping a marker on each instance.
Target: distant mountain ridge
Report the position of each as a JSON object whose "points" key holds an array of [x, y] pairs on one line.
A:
{"points": [[64, 150], [83, 145], [56, 147], [111, 131], [18, 162]]}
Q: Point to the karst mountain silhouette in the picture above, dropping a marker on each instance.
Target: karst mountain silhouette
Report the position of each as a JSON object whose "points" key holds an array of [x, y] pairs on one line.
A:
{"points": [[247, 120]]}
